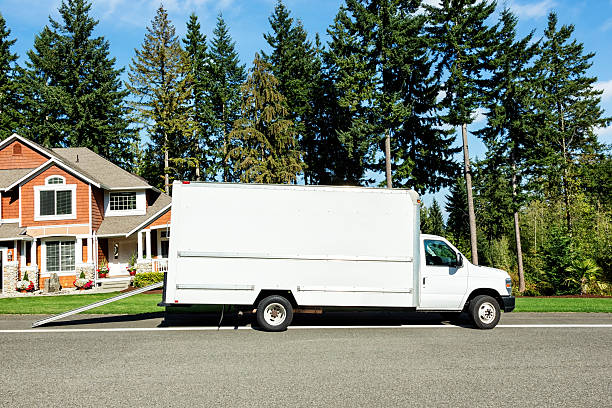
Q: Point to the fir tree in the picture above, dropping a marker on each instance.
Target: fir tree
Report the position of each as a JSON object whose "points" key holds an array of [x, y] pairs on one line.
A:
{"points": [[160, 80], [201, 74], [432, 222], [568, 109], [265, 145], [463, 44], [387, 85], [9, 99], [228, 76], [295, 63], [72, 92], [510, 105]]}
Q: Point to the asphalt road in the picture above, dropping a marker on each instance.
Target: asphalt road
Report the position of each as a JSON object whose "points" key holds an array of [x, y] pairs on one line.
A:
{"points": [[423, 363]]}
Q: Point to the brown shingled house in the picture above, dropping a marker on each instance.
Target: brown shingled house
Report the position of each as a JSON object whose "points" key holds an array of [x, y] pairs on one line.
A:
{"points": [[67, 210]]}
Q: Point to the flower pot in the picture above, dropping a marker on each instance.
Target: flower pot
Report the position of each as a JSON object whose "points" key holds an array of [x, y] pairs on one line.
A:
{"points": [[102, 275], [132, 273]]}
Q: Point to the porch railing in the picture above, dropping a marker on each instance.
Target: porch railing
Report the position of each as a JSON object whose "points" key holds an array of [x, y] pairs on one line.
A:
{"points": [[159, 265]]}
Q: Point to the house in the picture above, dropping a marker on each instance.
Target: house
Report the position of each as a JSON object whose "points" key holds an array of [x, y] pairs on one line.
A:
{"points": [[68, 210]]}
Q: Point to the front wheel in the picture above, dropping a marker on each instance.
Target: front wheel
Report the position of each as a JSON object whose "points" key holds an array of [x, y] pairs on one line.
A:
{"points": [[485, 312], [274, 313]]}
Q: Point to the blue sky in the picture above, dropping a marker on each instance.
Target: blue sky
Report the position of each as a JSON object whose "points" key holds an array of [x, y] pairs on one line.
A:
{"points": [[123, 24]]}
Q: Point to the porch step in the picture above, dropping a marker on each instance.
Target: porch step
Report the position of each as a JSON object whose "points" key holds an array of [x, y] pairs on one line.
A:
{"points": [[115, 283]]}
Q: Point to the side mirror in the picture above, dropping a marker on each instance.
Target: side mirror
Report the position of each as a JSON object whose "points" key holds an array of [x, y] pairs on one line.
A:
{"points": [[459, 261]]}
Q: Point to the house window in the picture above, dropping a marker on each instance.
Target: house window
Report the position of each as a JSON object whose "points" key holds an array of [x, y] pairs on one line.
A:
{"points": [[16, 149], [60, 256], [123, 201], [55, 202], [55, 180]]}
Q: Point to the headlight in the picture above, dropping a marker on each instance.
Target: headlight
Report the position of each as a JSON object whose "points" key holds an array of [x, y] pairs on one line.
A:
{"points": [[509, 285]]}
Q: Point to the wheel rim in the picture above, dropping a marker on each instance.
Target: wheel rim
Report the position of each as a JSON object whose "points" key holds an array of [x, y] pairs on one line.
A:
{"points": [[275, 314], [486, 313]]}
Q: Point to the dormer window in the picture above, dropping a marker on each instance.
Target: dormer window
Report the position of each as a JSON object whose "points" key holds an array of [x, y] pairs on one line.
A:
{"points": [[123, 201], [16, 149]]}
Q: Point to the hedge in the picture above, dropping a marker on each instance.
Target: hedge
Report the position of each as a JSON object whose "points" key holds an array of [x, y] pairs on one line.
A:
{"points": [[147, 278]]}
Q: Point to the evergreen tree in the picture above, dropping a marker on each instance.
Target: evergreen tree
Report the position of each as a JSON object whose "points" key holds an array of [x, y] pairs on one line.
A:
{"points": [[388, 86], [228, 76], [436, 222], [160, 80], [568, 112], [72, 92], [463, 45], [265, 145], [9, 99], [201, 73], [458, 224], [342, 116], [510, 105], [295, 63]]}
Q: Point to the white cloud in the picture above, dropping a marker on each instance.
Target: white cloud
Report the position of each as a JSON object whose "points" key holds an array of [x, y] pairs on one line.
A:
{"points": [[604, 132], [533, 10], [479, 116], [606, 87], [607, 25]]}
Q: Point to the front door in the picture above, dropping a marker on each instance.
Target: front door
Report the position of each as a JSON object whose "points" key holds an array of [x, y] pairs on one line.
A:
{"points": [[443, 283], [120, 252]]}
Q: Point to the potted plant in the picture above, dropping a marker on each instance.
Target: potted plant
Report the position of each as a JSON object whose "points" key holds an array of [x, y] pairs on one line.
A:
{"points": [[132, 264], [82, 282], [102, 269], [25, 285]]}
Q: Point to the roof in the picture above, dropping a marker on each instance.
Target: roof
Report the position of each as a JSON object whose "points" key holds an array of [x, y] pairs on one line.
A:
{"points": [[82, 161], [98, 168], [12, 230], [124, 225], [10, 176]]}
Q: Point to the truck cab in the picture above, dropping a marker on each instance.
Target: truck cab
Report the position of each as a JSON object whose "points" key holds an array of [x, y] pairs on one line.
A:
{"points": [[451, 283]]}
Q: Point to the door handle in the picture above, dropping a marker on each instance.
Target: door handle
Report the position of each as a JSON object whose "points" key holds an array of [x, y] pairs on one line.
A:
{"points": [[423, 280]]}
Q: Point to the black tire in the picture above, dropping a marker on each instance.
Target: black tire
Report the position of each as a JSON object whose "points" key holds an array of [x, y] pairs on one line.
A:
{"points": [[484, 312], [274, 313]]}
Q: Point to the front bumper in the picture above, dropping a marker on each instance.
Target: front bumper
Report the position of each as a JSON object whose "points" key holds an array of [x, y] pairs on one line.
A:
{"points": [[509, 302]]}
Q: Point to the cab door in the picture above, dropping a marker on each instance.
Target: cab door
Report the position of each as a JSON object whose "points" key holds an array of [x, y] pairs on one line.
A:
{"points": [[444, 275]]}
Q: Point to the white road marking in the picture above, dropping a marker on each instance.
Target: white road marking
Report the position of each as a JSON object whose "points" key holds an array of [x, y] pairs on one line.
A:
{"points": [[208, 328]]}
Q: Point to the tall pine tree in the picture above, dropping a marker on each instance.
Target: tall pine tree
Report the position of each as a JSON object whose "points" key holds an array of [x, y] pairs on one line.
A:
{"points": [[72, 93], [568, 108], [9, 99], [228, 76], [264, 139], [160, 80], [295, 63], [510, 105], [463, 45]]}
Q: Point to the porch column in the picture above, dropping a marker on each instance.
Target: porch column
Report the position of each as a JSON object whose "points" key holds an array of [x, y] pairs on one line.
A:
{"points": [[148, 242], [159, 251], [33, 252], [139, 241], [90, 250], [23, 254], [78, 251]]}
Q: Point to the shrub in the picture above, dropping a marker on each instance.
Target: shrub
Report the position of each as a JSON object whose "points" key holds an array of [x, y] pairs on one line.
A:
{"points": [[147, 278]]}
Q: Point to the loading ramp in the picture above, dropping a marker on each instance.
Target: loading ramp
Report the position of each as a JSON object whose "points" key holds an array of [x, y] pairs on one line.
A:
{"points": [[97, 304]]}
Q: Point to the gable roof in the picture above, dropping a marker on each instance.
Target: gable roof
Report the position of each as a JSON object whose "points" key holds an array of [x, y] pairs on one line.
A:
{"points": [[9, 177], [128, 224], [80, 160], [111, 176]]}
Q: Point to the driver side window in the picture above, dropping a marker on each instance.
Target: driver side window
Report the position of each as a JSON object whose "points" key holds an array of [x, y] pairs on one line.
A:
{"points": [[437, 253]]}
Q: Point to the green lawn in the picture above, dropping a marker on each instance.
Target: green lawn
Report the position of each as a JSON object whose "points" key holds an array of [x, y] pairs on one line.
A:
{"points": [[590, 305], [145, 303]]}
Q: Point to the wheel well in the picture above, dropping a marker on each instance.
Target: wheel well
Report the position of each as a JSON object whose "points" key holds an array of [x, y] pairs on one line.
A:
{"points": [[489, 292], [287, 294]]}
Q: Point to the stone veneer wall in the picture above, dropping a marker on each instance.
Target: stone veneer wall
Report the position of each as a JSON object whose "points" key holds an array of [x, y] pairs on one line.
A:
{"points": [[144, 266], [32, 271], [10, 275], [87, 269]]}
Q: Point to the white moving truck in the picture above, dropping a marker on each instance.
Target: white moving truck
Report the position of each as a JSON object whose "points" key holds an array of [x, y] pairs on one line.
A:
{"points": [[276, 248]]}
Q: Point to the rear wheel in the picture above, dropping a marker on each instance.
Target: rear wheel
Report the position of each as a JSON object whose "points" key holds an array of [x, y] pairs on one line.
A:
{"points": [[484, 312], [274, 313]]}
